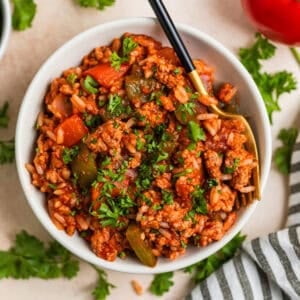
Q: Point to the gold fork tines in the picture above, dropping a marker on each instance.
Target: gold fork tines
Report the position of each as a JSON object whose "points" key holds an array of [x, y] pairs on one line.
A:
{"points": [[248, 198]]}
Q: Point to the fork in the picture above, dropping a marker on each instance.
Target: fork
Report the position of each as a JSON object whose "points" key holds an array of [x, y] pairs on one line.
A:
{"points": [[186, 61]]}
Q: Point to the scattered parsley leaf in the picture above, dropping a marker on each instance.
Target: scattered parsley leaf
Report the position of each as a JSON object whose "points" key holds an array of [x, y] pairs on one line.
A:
{"points": [[30, 258], [212, 182], [161, 283], [204, 268], [296, 54], [199, 202], [116, 60], [231, 170], [92, 121], [282, 155], [176, 71], [90, 85], [7, 151], [99, 4], [69, 154], [23, 14], [167, 197], [128, 45], [184, 110], [4, 118], [102, 289], [271, 86], [195, 132]]}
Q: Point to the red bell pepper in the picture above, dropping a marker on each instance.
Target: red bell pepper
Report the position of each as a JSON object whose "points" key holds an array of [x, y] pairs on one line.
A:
{"points": [[278, 20], [71, 131], [105, 74]]}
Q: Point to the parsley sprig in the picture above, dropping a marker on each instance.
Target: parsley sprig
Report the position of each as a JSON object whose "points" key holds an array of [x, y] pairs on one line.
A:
{"points": [[161, 283], [29, 257], [23, 14], [102, 289], [99, 4], [271, 86], [128, 45], [282, 155]]}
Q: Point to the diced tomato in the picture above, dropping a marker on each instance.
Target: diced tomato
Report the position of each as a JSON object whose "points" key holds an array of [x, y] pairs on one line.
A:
{"points": [[105, 74], [71, 131]]}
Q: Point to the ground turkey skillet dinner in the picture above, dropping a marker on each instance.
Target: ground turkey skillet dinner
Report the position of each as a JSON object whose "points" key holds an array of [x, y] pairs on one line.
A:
{"points": [[129, 156]]}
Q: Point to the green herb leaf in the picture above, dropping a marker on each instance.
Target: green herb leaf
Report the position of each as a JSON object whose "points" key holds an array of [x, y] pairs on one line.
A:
{"points": [[212, 182], [199, 202], [102, 289], [7, 151], [128, 45], [30, 258], [282, 156], [99, 4], [4, 118], [167, 197], [90, 85], [231, 170], [195, 132], [23, 14], [161, 283], [271, 86], [68, 154], [204, 268]]}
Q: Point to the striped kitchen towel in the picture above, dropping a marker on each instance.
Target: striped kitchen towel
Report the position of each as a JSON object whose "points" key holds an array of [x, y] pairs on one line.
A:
{"points": [[266, 267]]}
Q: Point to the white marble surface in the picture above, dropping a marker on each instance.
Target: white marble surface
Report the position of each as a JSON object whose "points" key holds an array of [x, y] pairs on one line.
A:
{"points": [[56, 22]]}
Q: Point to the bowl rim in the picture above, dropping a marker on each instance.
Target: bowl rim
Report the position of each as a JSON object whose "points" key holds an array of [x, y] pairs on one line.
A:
{"points": [[140, 269], [6, 23]]}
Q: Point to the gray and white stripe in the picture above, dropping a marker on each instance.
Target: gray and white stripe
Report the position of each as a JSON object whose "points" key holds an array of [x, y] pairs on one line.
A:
{"points": [[266, 267]]}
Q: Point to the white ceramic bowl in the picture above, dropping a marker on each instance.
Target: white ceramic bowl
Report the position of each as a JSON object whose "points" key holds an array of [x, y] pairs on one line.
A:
{"points": [[5, 25], [228, 68]]}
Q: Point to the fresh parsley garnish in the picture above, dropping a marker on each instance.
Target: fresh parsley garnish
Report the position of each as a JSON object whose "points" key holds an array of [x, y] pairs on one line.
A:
{"points": [[99, 4], [212, 182], [128, 45], [271, 86], [231, 170], [167, 197], [115, 106], [4, 118], [90, 85], [282, 155], [7, 151], [185, 110], [204, 268], [29, 257], [23, 14], [195, 132], [102, 289], [161, 283], [91, 121], [68, 154], [199, 202]]}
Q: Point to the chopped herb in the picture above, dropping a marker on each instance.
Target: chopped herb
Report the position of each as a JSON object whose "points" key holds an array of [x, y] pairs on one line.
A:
{"points": [[204, 268], [183, 110], [162, 156], [7, 151], [160, 168], [92, 121], [106, 161], [196, 133], [139, 144], [90, 85], [157, 207], [271, 86], [68, 154], [52, 186], [102, 289], [128, 45], [167, 197], [161, 283], [4, 118], [191, 146], [183, 173], [183, 244], [71, 78], [212, 182], [23, 14], [199, 202], [283, 154], [115, 106], [99, 4], [232, 169], [176, 71], [29, 257]]}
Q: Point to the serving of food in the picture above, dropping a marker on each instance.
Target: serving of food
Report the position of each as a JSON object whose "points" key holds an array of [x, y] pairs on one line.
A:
{"points": [[130, 157]]}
